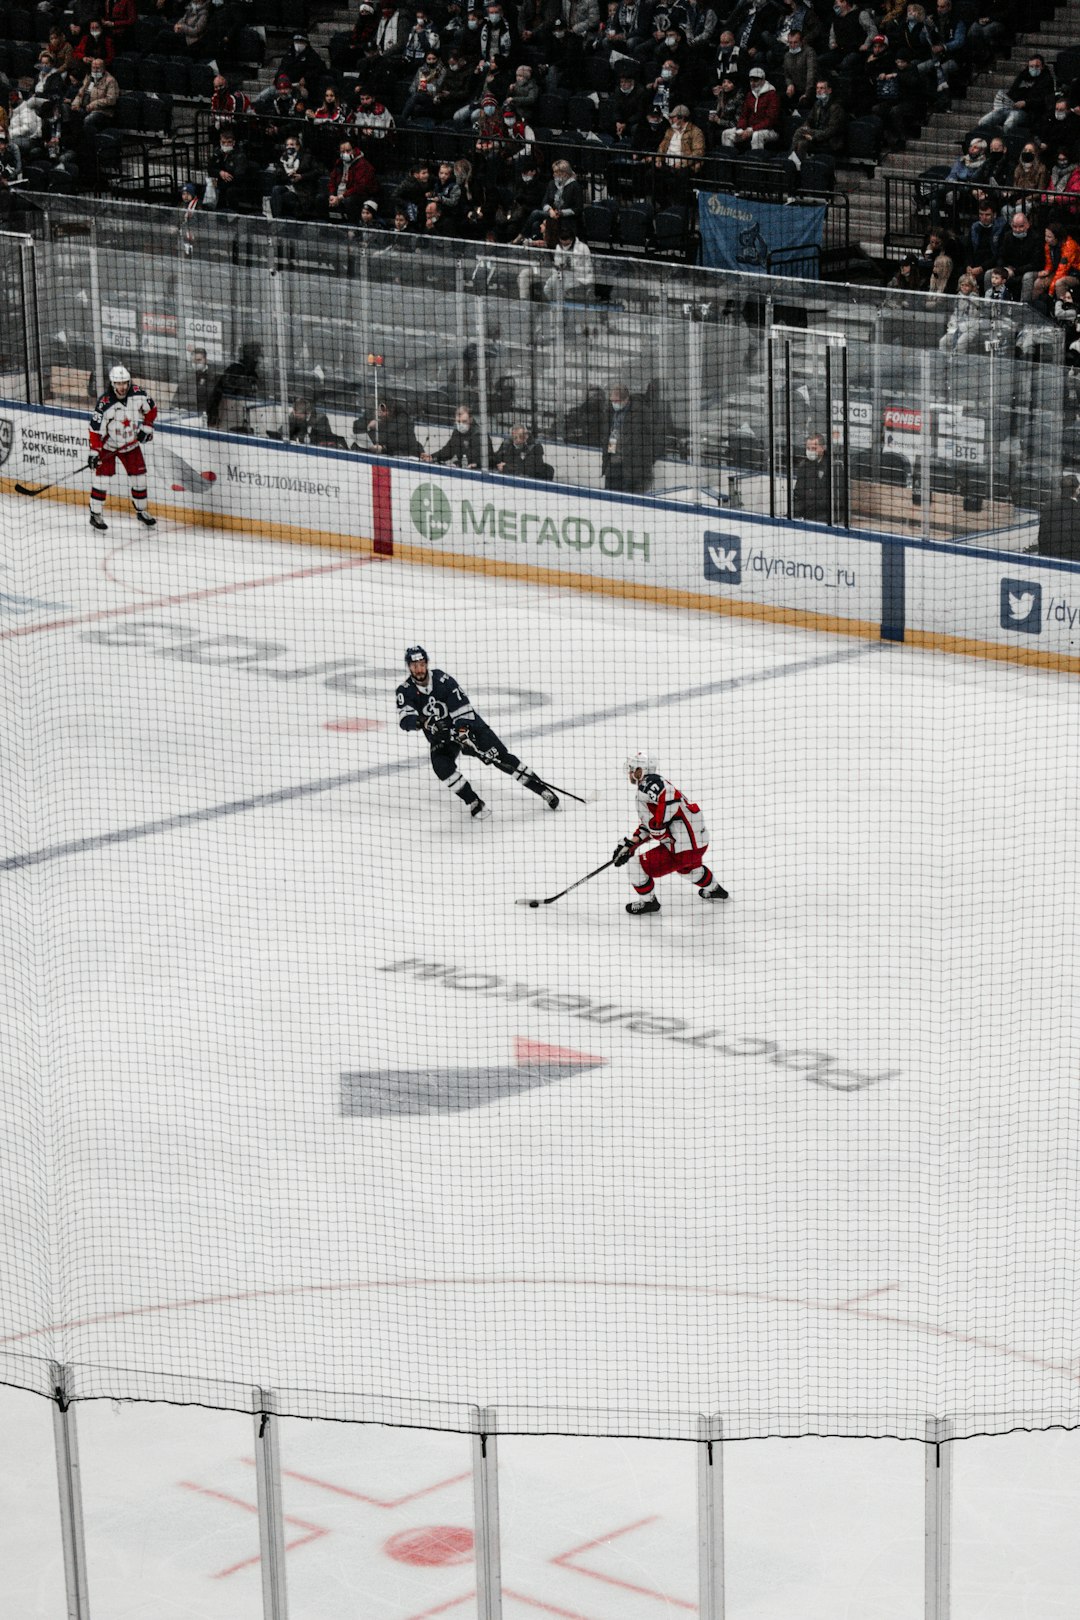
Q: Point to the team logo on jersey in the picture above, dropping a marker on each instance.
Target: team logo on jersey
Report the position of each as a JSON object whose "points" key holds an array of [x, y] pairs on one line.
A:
{"points": [[430, 511], [1021, 606], [723, 557], [7, 438]]}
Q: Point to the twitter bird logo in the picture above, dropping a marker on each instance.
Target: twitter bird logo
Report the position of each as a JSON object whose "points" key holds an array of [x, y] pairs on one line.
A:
{"points": [[1021, 606]]}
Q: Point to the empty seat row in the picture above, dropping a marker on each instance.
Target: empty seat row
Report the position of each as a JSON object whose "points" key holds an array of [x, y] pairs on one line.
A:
{"points": [[635, 225]]}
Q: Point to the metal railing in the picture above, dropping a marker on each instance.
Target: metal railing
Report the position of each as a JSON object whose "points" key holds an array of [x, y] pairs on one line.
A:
{"points": [[917, 204], [605, 171]]}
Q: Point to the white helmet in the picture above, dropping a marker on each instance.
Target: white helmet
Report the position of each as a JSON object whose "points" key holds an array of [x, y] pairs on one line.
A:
{"points": [[640, 765], [119, 374]]}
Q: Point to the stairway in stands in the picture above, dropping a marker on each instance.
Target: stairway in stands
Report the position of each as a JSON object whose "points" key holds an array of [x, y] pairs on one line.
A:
{"points": [[941, 139]]}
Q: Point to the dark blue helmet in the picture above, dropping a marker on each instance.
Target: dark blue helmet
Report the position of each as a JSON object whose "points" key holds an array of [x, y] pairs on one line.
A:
{"points": [[413, 653]]}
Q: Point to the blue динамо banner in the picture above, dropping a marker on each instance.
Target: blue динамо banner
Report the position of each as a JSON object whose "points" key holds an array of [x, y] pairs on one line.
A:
{"points": [[738, 233]]}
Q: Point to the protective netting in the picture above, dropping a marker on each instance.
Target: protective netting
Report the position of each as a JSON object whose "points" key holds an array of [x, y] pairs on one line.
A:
{"points": [[295, 1096]]}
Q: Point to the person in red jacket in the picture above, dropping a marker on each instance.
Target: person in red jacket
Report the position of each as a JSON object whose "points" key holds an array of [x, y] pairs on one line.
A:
{"points": [[352, 182], [95, 42], [756, 125]]}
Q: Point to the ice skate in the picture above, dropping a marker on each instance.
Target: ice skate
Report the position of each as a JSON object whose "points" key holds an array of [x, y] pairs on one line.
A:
{"points": [[714, 891], [145, 518], [643, 905], [98, 523]]}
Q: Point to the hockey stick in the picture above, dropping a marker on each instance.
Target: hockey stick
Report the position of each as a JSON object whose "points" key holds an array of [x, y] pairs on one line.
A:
{"points": [[22, 489], [577, 885], [467, 746]]}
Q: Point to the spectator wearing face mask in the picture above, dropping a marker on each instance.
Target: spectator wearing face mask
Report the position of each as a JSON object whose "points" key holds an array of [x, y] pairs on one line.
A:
{"points": [[1031, 173], [849, 38], [464, 447], [292, 182], [1020, 256], [1065, 183], [300, 61], [352, 180], [825, 127], [422, 40], [798, 70], [227, 174], [810, 491], [757, 124], [629, 447], [226, 105], [93, 105], [95, 42], [191, 25], [520, 456], [193, 390], [1059, 130], [1025, 103]]}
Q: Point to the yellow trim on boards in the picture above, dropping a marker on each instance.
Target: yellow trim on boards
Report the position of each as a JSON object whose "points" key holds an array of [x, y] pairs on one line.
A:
{"points": [[627, 590]]}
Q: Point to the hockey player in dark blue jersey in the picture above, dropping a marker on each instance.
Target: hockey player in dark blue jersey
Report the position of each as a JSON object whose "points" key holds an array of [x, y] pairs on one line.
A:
{"points": [[431, 701]]}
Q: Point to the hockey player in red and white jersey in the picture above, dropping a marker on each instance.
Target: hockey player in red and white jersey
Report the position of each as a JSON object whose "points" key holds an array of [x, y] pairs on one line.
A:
{"points": [[671, 836], [123, 421]]}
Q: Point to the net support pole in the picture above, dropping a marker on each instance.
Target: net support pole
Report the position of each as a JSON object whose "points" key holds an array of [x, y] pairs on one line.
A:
{"points": [[710, 1519], [69, 1480], [486, 1517], [694, 391], [938, 1521], [271, 1517], [277, 308], [97, 337], [482, 380]]}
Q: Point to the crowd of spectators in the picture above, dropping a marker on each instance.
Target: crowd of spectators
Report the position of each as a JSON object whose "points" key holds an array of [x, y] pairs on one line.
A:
{"points": [[1006, 219], [663, 84]]}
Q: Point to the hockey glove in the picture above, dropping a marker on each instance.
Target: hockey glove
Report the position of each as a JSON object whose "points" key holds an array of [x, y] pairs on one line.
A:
{"points": [[144, 435], [624, 851], [437, 733], [92, 460]]}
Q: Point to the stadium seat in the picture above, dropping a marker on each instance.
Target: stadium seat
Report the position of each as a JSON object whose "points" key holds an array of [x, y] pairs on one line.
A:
{"points": [[157, 114], [176, 72], [129, 111], [150, 74], [581, 113], [670, 230], [20, 24], [551, 109], [599, 221], [817, 175], [635, 224], [200, 79], [865, 139], [124, 71]]}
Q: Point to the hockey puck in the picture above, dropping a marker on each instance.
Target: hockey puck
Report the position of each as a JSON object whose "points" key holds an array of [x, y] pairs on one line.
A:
{"points": [[534, 904]]}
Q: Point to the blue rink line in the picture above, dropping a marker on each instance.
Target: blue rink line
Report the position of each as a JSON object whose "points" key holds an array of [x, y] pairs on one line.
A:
{"points": [[328, 784]]}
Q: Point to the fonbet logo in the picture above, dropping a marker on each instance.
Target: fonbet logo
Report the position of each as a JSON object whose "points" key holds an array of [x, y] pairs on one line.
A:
{"points": [[430, 511], [723, 558], [1021, 606], [7, 438]]}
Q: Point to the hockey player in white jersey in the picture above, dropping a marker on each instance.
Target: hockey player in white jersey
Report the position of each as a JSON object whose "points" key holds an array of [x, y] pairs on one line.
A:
{"points": [[123, 421], [671, 836]]}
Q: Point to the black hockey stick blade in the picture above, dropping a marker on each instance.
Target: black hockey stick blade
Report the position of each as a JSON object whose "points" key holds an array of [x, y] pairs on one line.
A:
{"points": [[553, 897], [25, 489]]}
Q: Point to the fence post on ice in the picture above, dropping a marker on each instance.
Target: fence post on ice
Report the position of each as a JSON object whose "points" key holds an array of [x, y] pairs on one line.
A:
{"points": [[938, 1520], [69, 1480], [271, 1518], [486, 1517], [710, 1514]]}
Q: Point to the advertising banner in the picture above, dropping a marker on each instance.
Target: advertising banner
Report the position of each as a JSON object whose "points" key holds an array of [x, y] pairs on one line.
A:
{"points": [[1028, 605]]}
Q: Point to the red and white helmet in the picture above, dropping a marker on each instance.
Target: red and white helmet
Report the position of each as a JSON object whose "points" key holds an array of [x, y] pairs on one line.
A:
{"points": [[640, 765]]}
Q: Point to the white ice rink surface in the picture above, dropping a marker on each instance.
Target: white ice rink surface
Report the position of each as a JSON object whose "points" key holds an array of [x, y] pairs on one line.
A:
{"points": [[859, 1198]]}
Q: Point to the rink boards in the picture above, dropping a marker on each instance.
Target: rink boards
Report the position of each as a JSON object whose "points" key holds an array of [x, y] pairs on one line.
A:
{"points": [[974, 598]]}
